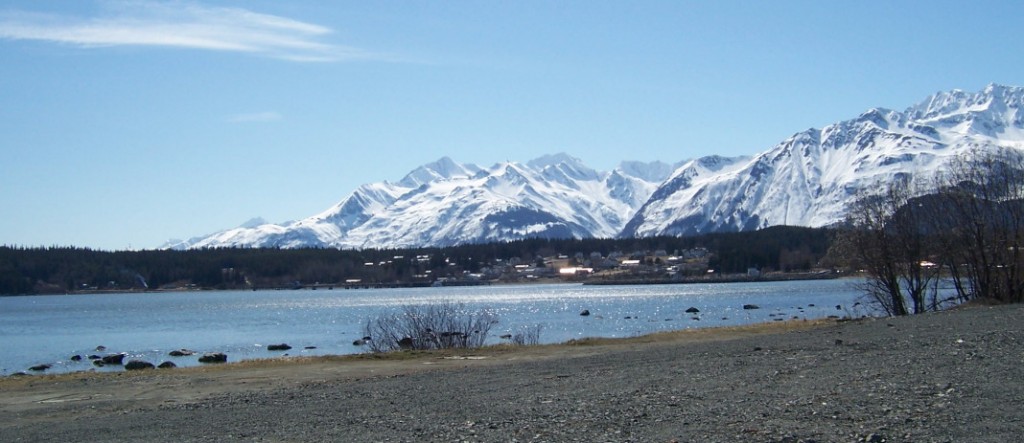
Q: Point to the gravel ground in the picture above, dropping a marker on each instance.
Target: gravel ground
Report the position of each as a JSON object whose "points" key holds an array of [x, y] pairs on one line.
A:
{"points": [[946, 377]]}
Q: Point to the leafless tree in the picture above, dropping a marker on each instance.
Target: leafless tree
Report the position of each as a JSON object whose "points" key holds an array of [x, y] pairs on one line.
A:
{"points": [[886, 238], [982, 196], [970, 220]]}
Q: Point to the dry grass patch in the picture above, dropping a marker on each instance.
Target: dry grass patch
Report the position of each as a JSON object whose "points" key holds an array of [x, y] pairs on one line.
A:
{"points": [[707, 334]]}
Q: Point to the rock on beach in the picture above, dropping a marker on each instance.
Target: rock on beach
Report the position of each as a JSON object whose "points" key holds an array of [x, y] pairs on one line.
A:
{"points": [[135, 365], [112, 359], [213, 357]]}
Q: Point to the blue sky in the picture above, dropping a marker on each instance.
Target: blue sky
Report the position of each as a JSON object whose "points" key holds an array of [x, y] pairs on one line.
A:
{"points": [[126, 123]]}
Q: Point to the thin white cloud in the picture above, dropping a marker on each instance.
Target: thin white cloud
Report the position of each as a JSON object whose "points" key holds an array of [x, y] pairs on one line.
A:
{"points": [[182, 25], [255, 117]]}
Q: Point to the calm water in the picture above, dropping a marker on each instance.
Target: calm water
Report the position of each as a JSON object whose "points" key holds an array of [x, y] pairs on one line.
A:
{"points": [[50, 329]]}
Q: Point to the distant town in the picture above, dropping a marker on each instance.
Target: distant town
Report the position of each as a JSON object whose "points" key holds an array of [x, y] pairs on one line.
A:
{"points": [[780, 253]]}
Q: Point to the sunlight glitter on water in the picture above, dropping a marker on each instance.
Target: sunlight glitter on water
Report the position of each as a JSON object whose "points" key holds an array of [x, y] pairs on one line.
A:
{"points": [[50, 329]]}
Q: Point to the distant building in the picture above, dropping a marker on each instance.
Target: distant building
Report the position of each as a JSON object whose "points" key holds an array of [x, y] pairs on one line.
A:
{"points": [[575, 271]]}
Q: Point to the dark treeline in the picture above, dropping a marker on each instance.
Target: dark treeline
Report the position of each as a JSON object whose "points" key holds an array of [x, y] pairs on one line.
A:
{"points": [[72, 269]]}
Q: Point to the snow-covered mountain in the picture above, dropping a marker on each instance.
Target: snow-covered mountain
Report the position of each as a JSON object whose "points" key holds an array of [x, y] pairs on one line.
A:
{"points": [[446, 203], [807, 180], [810, 178]]}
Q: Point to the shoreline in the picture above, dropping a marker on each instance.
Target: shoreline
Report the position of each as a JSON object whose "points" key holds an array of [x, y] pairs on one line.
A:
{"points": [[944, 376], [595, 281], [622, 319], [765, 327], [709, 333], [738, 278]]}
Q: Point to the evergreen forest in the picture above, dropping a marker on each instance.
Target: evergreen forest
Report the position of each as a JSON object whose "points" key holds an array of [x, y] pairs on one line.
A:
{"points": [[65, 270]]}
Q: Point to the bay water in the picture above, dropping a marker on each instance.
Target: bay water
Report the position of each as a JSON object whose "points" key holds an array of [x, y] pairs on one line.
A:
{"points": [[51, 329]]}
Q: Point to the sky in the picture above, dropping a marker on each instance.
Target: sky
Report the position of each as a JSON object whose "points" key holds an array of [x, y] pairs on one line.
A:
{"points": [[125, 123]]}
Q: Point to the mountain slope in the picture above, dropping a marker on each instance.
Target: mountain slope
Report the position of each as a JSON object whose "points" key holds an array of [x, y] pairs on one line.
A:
{"points": [[810, 178], [806, 180], [553, 196], [446, 203]]}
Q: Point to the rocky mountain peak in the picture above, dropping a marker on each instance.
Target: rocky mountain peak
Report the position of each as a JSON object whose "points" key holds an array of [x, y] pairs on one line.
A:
{"points": [[806, 180]]}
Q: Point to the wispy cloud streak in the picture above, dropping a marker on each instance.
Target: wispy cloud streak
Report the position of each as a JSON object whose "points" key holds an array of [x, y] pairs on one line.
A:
{"points": [[182, 25]]}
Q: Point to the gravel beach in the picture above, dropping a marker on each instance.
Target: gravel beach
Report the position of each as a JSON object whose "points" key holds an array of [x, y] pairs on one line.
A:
{"points": [[955, 376]]}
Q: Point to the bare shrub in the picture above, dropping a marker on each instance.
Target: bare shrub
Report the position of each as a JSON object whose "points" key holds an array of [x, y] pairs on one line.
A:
{"points": [[444, 325], [527, 335]]}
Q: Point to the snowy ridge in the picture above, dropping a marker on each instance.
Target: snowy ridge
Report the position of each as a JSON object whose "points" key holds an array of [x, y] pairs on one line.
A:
{"points": [[806, 180], [810, 178], [445, 203]]}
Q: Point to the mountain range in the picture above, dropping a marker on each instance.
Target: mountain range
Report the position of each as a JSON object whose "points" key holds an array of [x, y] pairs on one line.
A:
{"points": [[806, 180]]}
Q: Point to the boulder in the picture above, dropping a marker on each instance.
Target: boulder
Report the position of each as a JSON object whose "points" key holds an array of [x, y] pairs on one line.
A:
{"points": [[310, 347], [359, 342], [167, 365], [213, 357], [748, 307], [181, 352], [39, 368], [405, 343], [585, 312], [93, 357], [76, 357], [692, 310], [112, 359], [873, 438], [135, 365], [278, 347]]}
